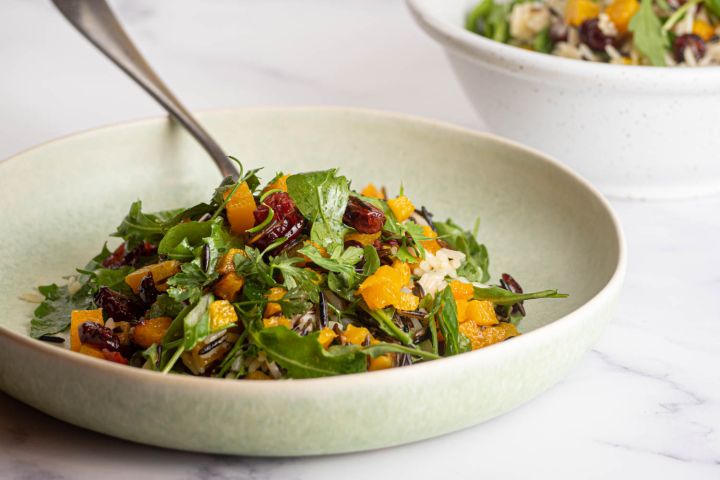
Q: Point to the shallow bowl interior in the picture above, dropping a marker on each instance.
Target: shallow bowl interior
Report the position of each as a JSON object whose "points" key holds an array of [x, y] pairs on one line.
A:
{"points": [[540, 222]]}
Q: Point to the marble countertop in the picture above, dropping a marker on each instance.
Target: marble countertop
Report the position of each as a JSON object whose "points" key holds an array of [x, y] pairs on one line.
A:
{"points": [[644, 403]]}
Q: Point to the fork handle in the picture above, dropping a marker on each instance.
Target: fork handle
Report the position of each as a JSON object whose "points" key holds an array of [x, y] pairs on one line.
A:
{"points": [[96, 21]]}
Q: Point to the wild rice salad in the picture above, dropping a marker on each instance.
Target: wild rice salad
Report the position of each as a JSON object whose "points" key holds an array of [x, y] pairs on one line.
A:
{"points": [[623, 32], [302, 278]]}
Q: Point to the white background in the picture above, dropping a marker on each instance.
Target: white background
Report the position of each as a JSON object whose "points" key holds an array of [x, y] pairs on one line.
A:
{"points": [[644, 403]]}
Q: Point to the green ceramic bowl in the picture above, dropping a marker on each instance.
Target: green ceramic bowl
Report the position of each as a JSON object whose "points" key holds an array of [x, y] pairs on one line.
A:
{"points": [[540, 221]]}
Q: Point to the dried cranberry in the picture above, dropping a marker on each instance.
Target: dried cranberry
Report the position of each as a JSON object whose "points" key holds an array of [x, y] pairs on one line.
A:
{"points": [[592, 36], [288, 222], [147, 291], [558, 32], [96, 335], [691, 41], [121, 257], [363, 217], [116, 305], [509, 283]]}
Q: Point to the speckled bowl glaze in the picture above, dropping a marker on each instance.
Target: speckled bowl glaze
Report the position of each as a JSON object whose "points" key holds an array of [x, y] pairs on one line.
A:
{"points": [[637, 132], [540, 221]]}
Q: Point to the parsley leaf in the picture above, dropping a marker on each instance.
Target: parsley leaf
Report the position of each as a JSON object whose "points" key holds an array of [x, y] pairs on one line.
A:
{"points": [[648, 34]]}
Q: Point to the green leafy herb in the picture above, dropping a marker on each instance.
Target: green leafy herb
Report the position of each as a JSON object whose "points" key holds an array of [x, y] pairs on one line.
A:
{"points": [[165, 306], [197, 322], [713, 6], [322, 198], [383, 348], [477, 262], [138, 227], [480, 11], [179, 242], [542, 42], [500, 296], [372, 260], [648, 34], [304, 357], [448, 321]]}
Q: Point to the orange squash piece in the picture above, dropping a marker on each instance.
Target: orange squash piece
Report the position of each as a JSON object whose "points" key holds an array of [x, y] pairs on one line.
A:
{"points": [[229, 286], [381, 362], [77, 318], [385, 288], [326, 337], [151, 331], [401, 207], [277, 321], [621, 12], [372, 191], [160, 272], [703, 30], [240, 209], [226, 264], [257, 375], [356, 335], [273, 308], [481, 337], [363, 239], [91, 351], [462, 290], [577, 11], [222, 314], [279, 183], [481, 312], [431, 245]]}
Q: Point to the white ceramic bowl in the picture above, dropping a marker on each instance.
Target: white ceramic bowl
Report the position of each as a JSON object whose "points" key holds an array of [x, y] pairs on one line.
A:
{"points": [[540, 221], [641, 132]]}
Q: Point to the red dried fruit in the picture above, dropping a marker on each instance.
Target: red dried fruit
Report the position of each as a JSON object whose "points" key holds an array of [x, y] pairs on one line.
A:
{"points": [[99, 336], [363, 217], [117, 306], [147, 291], [121, 257], [288, 222], [691, 41], [592, 36], [114, 357]]}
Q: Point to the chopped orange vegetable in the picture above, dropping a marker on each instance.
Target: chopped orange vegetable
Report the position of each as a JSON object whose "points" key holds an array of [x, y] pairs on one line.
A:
{"points": [[222, 314], [326, 337], [151, 331], [160, 272], [226, 264], [431, 246], [279, 183], [356, 335], [401, 207], [481, 336], [77, 318], [277, 321], [621, 12], [577, 11], [229, 286], [362, 238], [385, 287], [703, 30], [462, 290], [371, 191], [257, 375], [381, 362], [91, 351], [320, 248], [461, 306], [272, 308], [240, 209], [481, 312]]}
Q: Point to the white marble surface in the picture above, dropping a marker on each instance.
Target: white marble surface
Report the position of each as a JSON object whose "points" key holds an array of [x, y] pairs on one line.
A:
{"points": [[645, 403]]}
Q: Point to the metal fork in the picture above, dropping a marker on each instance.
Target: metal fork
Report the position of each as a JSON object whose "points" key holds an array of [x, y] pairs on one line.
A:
{"points": [[96, 21]]}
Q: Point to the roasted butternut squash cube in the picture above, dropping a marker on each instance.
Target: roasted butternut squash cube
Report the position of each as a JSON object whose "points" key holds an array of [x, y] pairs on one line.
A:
{"points": [[159, 271], [151, 331], [240, 209]]}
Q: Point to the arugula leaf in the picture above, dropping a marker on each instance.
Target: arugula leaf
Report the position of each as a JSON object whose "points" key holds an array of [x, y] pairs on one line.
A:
{"points": [[372, 260], [196, 324], [384, 318], [542, 42], [165, 306], [137, 226], [500, 296], [496, 22], [648, 34], [477, 262], [713, 6], [179, 242], [304, 357], [322, 198], [480, 11], [448, 322], [383, 348]]}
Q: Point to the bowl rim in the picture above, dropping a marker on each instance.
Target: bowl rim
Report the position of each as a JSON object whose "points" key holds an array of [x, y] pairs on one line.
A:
{"points": [[339, 382], [506, 56]]}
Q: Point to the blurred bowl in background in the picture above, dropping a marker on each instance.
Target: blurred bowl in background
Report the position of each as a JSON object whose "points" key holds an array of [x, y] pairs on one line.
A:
{"points": [[637, 132]]}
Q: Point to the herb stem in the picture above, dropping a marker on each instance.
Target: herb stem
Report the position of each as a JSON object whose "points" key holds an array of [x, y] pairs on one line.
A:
{"points": [[174, 359], [678, 15]]}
